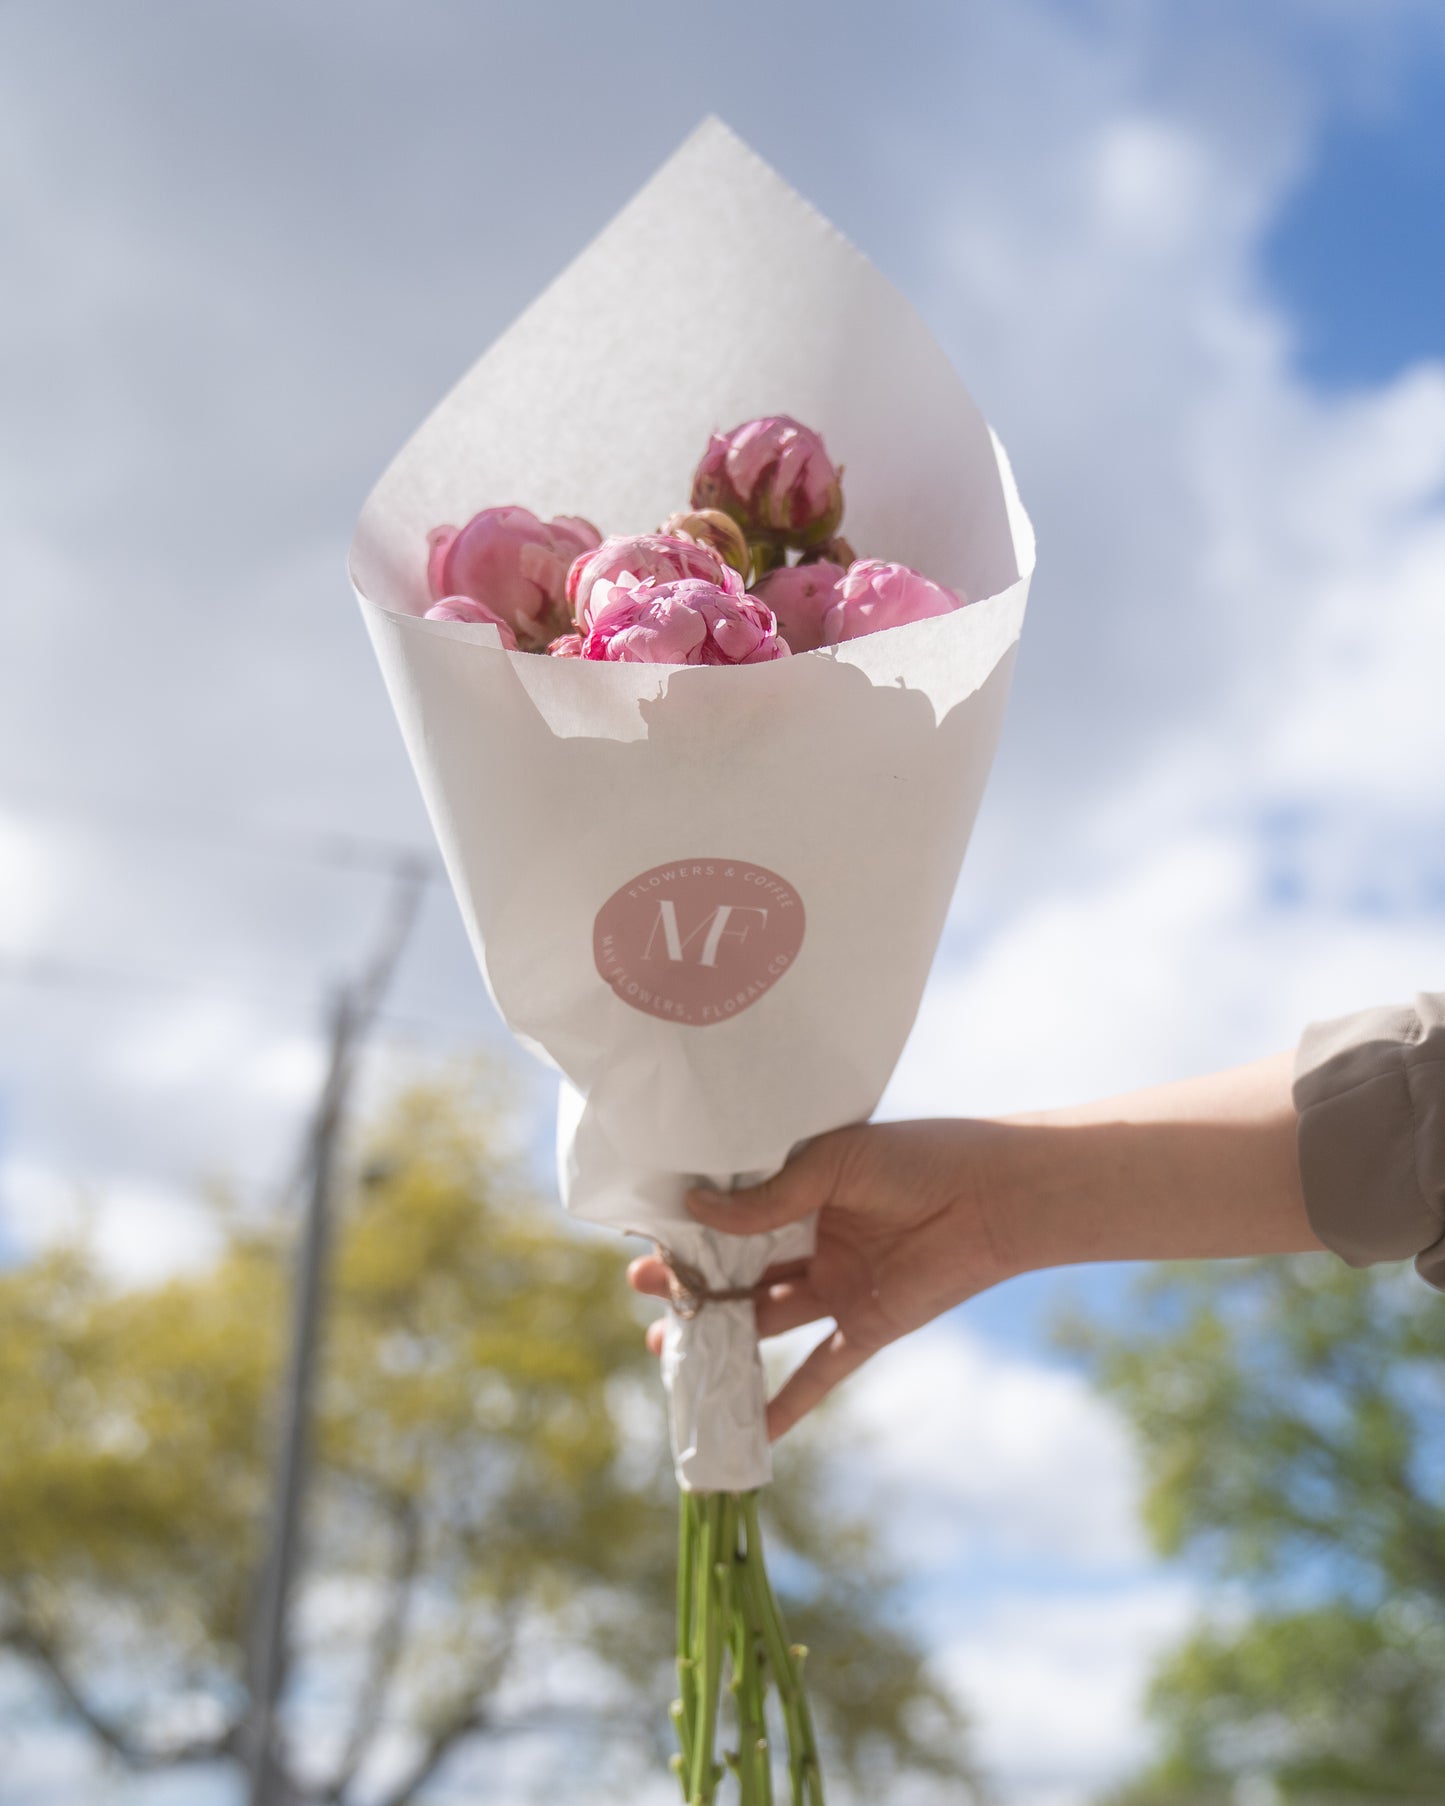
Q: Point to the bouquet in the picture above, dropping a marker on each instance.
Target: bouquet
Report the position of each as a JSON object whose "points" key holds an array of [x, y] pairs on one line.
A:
{"points": [[703, 785]]}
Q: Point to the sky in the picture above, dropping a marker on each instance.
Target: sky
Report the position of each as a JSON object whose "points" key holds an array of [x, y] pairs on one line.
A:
{"points": [[1188, 260]]}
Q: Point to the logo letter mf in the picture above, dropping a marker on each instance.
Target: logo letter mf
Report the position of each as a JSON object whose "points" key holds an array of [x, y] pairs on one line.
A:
{"points": [[714, 929]]}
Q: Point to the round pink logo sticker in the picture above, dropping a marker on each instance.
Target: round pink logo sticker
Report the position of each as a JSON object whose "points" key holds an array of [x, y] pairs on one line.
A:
{"points": [[698, 941]]}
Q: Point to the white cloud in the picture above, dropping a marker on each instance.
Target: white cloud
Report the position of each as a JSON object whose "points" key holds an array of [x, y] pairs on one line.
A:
{"points": [[29, 881], [1151, 185], [212, 1042], [1055, 1685], [145, 1232], [180, 1042], [970, 1455], [38, 1203], [140, 1229], [287, 1071], [984, 1468], [1173, 964]]}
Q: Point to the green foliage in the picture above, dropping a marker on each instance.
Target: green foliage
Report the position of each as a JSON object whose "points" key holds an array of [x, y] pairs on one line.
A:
{"points": [[1338, 1702], [491, 1509], [1289, 1414]]}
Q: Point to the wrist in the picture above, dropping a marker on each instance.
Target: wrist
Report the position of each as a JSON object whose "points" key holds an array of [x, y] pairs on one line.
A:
{"points": [[1064, 1188], [1020, 1176]]}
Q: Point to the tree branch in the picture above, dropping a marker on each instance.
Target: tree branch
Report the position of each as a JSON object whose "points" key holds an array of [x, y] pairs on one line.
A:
{"points": [[469, 1716], [544, 1718], [385, 1652], [438, 1747], [27, 1643]]}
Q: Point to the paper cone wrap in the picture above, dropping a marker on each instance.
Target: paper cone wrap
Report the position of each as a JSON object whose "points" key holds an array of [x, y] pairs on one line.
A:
{"points": [[709, 896]]}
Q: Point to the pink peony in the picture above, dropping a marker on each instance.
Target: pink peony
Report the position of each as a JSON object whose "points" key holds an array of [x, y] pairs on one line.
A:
{"points": [[477, 614], [512, 562], [664, 556], [874, 595], [566, 645], [800, 595], [689, 622], [774, 477]]}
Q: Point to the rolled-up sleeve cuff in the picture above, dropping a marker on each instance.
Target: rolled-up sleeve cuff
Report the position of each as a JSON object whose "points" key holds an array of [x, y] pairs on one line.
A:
{"points": [[1370, 1092]]}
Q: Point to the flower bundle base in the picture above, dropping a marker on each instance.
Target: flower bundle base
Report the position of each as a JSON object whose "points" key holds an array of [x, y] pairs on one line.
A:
{"points": [[728, 1617]]}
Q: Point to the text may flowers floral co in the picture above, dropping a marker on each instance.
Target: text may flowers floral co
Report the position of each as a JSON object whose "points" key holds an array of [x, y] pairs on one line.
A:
{"points": [[801, 818]]}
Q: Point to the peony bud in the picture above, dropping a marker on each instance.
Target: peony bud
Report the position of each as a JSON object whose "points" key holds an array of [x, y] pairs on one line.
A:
{"points": [[712, 528], [800, 595], [689, 622], [874, 595], [513, 563], [659, 555], [776, 480], [474, 613]]}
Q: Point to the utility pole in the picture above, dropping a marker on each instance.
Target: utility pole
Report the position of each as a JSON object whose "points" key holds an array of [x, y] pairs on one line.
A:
{"points": [[353, 1013]]}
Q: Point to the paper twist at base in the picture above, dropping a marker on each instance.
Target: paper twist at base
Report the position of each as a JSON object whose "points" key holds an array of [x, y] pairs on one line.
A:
{"points": [[710, 1361]]}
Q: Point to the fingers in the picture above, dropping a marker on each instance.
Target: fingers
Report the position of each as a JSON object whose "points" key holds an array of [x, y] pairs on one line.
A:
{"points": [[779, 1308], [649, 1275], [783, 1299], [831, 1361], [803, 1186], [655, 1332]]}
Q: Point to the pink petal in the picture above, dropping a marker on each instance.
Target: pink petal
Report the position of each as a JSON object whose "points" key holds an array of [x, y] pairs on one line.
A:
{"points": [[439, 543]]}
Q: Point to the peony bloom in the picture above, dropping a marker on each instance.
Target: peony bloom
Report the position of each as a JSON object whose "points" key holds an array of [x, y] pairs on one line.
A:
{"points": [[659, 555], [711, 527], [776, 480], [800, 595], [476, 614], [690, 622], [566, 645], [512, 562], [874, 595]]}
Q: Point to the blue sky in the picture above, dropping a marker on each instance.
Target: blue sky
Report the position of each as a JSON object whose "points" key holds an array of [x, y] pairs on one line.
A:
{"points": [[1189, 260], [1357, 253]]}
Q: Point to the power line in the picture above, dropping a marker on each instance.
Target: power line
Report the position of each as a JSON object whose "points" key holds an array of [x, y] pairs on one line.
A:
{"points": [[55, 970], [111, 817], [47, 971]]}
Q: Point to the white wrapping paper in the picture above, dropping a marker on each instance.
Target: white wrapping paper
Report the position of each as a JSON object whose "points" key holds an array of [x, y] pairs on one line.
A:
{"points": [[708, 896]]}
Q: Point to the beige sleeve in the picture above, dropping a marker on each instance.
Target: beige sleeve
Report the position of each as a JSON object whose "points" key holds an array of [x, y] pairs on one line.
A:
{"points": [[1370, 1091]]}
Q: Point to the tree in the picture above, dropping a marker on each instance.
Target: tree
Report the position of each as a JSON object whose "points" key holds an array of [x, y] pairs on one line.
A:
{"points": [[491, 1522], [1290, 1417]]}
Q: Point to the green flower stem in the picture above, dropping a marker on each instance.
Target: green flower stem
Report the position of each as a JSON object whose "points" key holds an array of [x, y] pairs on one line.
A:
{"points": [[804, 1769], [722, 1575], [685, 1707], [755, 1768], [727, 1614], [765, 557], [707, 1650]]}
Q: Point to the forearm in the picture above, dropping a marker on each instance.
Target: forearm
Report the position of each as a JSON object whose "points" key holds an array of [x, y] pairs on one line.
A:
{"points": [[1202, 1169]]}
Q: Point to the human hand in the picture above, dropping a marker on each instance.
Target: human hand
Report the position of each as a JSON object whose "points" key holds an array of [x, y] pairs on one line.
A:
{"points": [[905, 1232], [914, 1217]]}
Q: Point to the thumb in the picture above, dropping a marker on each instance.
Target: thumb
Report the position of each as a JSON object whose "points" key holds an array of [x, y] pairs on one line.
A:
{"points": [[804, 1185]]}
